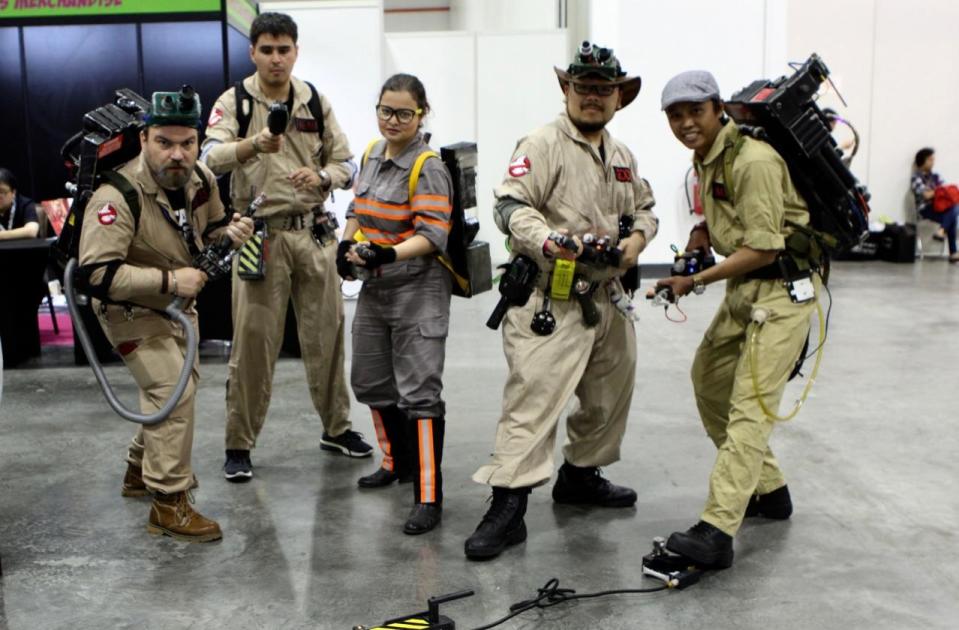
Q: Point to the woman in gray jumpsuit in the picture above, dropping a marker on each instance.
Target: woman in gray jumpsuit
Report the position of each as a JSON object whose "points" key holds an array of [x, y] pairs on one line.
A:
{"points": [[402, 316]]}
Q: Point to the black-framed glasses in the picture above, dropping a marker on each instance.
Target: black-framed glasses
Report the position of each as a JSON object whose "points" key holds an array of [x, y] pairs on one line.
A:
{"points": [[593, 88], [402, 115]]}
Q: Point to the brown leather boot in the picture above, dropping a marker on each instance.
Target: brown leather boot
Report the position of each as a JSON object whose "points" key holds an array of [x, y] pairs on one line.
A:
{"points": [[173, 515], [133, 485]]}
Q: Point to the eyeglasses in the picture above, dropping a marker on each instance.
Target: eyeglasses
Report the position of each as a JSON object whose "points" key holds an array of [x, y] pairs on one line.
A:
{"points": [[592, 88], [402, 115]]}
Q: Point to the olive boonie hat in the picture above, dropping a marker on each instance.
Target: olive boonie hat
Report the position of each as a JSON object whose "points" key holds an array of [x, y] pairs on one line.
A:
{"points": [[174, 108], [599, 64]]}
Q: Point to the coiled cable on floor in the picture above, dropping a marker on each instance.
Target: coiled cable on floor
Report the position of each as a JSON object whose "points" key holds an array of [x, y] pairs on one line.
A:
{"points": [[550, 594]]}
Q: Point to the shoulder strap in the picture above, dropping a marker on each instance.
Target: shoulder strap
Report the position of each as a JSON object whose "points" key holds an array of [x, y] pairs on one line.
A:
{"points": [[733, 144], [243, 114], [366, 153], [202, 176], [129, 193], [417, 168], [316, 109]]}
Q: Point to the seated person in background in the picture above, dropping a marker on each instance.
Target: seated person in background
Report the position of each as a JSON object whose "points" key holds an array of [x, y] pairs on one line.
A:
{"points": [[18, 215], [924, 183]]}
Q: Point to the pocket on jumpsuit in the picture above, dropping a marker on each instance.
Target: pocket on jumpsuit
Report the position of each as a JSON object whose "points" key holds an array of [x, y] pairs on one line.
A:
{"points": [[437, 328]]}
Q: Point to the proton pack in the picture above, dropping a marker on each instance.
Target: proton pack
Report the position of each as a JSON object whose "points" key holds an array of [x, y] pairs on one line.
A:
{"points": [[110, 138], [784, 114]]}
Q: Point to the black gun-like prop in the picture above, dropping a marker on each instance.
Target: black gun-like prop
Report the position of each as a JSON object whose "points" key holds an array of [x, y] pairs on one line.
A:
{"points": [[515, 287], [278, 118], [597, 250], [783, 113], [215, 259]]}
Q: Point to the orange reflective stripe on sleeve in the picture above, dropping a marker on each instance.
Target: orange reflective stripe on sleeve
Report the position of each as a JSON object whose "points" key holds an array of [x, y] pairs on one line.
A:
{"points": [[424, 430]]}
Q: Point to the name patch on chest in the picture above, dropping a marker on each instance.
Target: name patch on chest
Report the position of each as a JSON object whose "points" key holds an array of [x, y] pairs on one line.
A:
{"points": [[308, 125], [719, 191], [623, 173], [202, 196]]}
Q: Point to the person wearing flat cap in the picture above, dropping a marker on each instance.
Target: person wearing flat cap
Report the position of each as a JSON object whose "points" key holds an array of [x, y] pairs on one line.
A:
{"points": [[141, 230], [565, 180], [752, 211]]}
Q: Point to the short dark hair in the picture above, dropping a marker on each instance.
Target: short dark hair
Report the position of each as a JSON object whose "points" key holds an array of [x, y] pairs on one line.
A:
{"points": [[275, 24], [7, 177], [922, 155], [407, 83]]}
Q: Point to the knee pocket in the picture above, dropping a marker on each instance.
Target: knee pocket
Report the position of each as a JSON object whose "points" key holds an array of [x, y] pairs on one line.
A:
{"points": [[435, 328]]}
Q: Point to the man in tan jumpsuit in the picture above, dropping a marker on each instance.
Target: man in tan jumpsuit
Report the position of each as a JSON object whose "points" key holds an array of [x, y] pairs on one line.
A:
{"points": [[134, 266], [747, 221], [297, 170], [572, 177]]}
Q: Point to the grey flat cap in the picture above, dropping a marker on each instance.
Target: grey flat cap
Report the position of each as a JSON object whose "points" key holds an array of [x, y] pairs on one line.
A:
{"points": [[692, 86]]}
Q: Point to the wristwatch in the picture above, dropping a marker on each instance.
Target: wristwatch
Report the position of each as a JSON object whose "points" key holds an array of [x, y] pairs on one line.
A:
{"points": [[325, 180], [699, 287]]}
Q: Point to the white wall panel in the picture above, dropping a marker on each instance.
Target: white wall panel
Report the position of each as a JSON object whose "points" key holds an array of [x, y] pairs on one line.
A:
{"points": [[517, 92], [657, 40], [914, 96], [446, 64]]}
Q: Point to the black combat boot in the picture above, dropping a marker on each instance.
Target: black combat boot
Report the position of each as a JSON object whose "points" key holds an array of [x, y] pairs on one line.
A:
{"points": [[705, 545], [776, 504], [587, 486], [502, 525]]}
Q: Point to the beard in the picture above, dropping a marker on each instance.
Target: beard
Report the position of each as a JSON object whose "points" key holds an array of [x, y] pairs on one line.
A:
{"points": [[171, 180], [588, 127]]}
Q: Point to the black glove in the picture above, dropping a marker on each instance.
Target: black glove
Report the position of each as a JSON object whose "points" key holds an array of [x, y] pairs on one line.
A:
{"points": [[344, 267], [373, 255]]}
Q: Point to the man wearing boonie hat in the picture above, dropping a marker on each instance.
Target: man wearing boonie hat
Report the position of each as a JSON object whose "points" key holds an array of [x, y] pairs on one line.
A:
{"points": [[749, 202], [569, 177], [135, 266]]}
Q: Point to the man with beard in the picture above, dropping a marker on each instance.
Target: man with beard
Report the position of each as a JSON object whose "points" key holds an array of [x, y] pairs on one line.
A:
{"points": [[569, 178], [297, 170], [140, 233]]}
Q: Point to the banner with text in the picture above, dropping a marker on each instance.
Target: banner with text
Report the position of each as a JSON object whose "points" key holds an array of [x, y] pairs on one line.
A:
{"points": [[40, 9]]}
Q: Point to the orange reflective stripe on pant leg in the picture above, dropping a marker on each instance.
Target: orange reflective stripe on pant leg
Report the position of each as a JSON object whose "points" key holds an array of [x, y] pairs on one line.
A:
{"points": [[383, 439], [424, 429]]}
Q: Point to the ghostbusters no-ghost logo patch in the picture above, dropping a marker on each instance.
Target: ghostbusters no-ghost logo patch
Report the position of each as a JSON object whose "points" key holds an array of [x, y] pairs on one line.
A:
{"points": [[520, 166], [107, 215], [215, 116]]}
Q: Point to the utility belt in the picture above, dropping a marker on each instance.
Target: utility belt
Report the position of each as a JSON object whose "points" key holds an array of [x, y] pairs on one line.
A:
{"points": [[115, 313], [793, 270], [252, 257], [290, 222]]}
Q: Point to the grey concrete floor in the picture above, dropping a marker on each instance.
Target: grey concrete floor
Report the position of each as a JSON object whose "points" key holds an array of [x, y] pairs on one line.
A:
{"points": [[871, 462]]}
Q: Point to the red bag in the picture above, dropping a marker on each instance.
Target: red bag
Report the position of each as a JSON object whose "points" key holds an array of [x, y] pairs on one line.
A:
{"points": [[946, 197]]}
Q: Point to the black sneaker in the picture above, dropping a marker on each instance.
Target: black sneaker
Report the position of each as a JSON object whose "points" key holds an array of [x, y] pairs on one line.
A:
{"points": [[502, 525], [350, 443], [704, 544], [586, 486], [776, 505], [238, 468]]}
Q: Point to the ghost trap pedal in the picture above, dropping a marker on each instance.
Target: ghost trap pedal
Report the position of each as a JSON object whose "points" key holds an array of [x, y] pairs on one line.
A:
{"points": [[671, 569]]}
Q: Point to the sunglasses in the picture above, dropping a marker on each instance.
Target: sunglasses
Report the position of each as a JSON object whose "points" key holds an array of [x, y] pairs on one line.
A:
{"points": [[402, 115], [592, 88]]}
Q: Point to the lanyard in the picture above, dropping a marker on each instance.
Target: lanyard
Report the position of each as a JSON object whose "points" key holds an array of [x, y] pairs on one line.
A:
{"points": [[13, 215]]}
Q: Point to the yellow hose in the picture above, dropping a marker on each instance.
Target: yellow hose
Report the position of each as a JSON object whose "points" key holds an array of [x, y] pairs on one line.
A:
{"points": [[753, 361]]}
